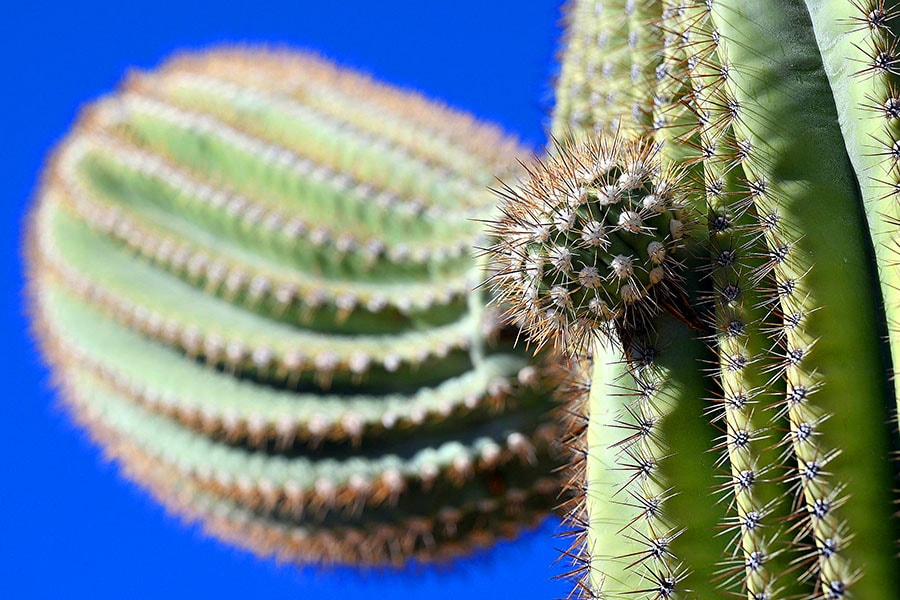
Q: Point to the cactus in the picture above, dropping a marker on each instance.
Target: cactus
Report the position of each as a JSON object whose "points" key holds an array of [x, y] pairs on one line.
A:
{"points": [[736, 439], [251, 273]]}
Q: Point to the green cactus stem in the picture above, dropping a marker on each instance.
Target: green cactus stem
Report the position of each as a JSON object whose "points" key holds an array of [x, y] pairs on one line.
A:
{"points": [[251, 274], [770, 459]]}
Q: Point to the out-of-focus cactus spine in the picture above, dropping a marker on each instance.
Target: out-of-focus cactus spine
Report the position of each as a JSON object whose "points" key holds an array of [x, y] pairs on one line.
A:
{"points": [[251, 272], [744, 449]]}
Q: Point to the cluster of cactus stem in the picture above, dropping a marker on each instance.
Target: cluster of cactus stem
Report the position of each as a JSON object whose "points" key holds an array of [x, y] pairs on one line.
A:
{"points": [[252, 274], [744, 448]]}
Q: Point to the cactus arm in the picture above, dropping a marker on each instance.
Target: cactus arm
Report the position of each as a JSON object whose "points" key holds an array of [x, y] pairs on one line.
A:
{"points": [[635, 541], [608, 514], [562, 282], [251, 273], [638, 558], [795, 147], [868, 119], [610, 510], [641, 527]]}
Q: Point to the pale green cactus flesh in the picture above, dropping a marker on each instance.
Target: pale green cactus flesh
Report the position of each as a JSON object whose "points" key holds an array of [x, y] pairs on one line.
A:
{"points": [[738, 440], [252, 273]]}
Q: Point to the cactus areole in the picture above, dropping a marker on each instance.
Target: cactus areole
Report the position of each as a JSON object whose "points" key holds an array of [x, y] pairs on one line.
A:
{"points": [[744, 448]]}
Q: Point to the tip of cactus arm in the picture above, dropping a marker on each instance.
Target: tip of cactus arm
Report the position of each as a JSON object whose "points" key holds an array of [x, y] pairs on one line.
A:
{"points": [[587, 242]]}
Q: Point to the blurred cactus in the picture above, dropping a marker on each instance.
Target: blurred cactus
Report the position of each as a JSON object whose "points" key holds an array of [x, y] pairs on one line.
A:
{"points": [[251, 272], [737, 440]]}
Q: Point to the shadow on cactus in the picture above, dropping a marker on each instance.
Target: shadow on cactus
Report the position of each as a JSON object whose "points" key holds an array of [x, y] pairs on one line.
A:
{"points": [[251, 272], [748, 450]]}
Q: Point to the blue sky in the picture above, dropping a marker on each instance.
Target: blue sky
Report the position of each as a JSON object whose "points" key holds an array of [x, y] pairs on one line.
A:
{"points": [[69, 525]]}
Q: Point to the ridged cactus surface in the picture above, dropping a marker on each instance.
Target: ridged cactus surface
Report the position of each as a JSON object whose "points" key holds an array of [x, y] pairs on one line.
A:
{"points": [[251, 272], [739, 440]]}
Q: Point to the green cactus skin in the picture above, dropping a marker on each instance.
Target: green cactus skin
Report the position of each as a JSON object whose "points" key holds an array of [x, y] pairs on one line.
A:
{"points": [[747, 452], [251, 272]]}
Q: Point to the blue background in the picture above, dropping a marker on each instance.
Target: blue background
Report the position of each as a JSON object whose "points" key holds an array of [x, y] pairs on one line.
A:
{"points": [[69, 525]]}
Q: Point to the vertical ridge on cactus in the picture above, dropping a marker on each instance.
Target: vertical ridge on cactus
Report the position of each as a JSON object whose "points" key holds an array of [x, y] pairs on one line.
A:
{"points": [[738, 263], [252, 271], [865, 33]]}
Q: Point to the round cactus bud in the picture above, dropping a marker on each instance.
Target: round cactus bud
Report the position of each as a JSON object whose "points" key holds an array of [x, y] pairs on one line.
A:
{"points": [[588, 237]]}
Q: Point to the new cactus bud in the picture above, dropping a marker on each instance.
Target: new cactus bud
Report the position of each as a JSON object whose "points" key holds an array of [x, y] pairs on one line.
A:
{"points": [[251, 273], [588, 239]]}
